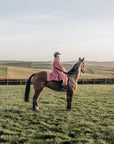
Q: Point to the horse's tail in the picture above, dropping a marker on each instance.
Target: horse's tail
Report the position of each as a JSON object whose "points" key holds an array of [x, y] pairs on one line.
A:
{"points": [[27, 90]]}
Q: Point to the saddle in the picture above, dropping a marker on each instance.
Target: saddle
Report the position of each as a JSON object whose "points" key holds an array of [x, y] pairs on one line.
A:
{"points": [[54, 78]]}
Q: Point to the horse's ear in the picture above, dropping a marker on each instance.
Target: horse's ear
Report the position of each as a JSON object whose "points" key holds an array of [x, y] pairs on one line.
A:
{"points": [[83, 59], [79, 59]]}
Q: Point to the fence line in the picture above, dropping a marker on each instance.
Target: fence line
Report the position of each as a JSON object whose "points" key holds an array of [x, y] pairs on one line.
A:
{"points": [[13, 81], [81, 81], [97, 81]]}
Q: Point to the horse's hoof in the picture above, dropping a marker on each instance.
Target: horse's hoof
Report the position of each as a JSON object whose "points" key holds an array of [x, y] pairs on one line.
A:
{"points": [[68, 109], [37, 108]]}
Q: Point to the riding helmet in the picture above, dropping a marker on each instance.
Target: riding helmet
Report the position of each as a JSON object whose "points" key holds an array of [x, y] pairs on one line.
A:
{"points": [[56, 54]]}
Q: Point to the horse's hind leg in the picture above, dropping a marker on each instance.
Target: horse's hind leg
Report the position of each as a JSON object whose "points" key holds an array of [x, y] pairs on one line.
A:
{"points": [[35, 99]]}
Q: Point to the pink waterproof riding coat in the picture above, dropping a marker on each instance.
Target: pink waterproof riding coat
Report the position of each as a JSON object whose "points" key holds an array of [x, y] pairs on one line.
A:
{"points": [[58, 72]]}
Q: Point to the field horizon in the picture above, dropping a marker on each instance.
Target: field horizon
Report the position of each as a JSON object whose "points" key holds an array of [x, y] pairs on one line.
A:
{"points": [[92, 63]]}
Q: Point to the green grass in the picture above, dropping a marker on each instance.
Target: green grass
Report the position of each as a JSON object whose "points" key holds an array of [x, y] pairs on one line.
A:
{"points": [[3, 71], [89, 122], [24, 73], [91, 71], [100, 70]]}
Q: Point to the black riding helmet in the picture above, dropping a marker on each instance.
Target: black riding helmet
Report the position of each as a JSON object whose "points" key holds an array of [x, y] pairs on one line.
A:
{"points": [[56, 54]]}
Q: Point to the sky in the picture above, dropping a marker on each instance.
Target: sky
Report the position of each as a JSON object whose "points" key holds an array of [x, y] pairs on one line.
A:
{"points": [[32, 30]]}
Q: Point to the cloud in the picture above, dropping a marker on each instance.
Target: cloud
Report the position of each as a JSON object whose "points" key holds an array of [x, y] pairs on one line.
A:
{"points": [[60, 12], [44, 17], [33, 17], [26, 21], [17, 38]]}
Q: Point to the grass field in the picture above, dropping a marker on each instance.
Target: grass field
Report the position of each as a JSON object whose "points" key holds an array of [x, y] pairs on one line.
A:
{"points": [[3, 71], [16, 72], [22, 70], [89, 122], [24, 73]]}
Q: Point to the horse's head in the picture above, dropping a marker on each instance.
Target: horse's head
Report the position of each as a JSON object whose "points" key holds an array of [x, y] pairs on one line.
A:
{"points": [[82, 65]]}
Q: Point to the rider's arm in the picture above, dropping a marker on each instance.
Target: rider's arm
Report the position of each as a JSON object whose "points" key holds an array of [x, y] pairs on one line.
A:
{"points": [[59, 67]]}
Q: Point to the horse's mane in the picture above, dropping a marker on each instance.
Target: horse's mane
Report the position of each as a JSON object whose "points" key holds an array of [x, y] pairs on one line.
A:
{"points": [[73, 69]]}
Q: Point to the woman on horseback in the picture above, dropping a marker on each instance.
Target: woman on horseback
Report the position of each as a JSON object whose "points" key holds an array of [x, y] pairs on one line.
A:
{"points": [[59, 72], [58, 80]]}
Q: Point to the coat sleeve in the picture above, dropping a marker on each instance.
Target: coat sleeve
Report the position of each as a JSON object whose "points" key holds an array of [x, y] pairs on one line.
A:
{"points": [[59, 67]]}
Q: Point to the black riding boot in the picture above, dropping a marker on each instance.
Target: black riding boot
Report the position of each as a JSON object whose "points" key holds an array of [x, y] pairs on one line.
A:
{"points": [[63, 88]]}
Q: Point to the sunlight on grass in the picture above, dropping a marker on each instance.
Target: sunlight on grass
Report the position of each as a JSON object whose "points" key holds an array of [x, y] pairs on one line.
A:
{"points": [[89, 121]]}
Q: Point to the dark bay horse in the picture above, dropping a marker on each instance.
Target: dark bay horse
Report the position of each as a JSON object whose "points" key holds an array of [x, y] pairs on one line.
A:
{"points": [[39, 81]]}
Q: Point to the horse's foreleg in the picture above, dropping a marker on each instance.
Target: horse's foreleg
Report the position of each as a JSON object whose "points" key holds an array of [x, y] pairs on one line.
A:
{"points": [[35, 99], [70, 94]]}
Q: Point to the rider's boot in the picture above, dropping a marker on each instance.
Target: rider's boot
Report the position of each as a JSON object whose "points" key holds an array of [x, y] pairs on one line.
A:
{"points": [[63, 88]]}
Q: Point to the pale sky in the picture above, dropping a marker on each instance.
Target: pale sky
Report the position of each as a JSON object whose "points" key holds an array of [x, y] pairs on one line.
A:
{"points": [[32, 30]]}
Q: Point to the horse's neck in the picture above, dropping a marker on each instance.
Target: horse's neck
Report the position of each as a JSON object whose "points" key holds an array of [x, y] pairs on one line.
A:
{"points": [[76, 75]]}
